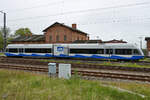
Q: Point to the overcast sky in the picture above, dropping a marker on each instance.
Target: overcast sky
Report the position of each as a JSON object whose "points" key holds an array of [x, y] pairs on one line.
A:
{"points": [[101, 19]]}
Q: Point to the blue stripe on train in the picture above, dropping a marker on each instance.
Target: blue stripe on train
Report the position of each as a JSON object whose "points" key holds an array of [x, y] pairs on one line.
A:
{"points": [[78, 56], [11, 54], [127, 58]]}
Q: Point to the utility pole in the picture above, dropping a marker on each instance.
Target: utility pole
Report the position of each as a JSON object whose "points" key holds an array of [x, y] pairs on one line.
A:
{"points": [[4, 29]]}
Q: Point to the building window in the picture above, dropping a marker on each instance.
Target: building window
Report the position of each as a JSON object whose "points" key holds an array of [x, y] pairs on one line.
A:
{"points": [[50, 38], [65, 38], [57, 38]]}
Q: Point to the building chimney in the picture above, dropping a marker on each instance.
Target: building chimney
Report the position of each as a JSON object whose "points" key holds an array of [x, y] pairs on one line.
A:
{"points": [[74, 26]]}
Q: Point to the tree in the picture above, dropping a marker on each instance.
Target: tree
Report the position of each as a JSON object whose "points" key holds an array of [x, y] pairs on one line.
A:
{"points": [[7, 31], [2, 36], [1, 41], [23, 31]]}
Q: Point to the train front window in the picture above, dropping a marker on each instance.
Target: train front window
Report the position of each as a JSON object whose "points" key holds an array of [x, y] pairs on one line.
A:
{"points": [[136, 52]]}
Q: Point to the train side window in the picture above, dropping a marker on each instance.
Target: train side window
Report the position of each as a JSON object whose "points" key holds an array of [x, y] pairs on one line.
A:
{"points": [[27, 50], [123, 51], [100, 51], [87, 51], [38, 50], [79, 51], [48, 50], [44, 50], [128, 51], [136, 52], [13, 50], [109, 51]]}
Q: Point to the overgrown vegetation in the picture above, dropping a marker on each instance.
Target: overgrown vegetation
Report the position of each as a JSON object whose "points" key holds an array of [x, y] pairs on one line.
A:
{"points": [[15, 85], [1, 54], [2, 36], [23, 32], [108, 63], [146, 59]]}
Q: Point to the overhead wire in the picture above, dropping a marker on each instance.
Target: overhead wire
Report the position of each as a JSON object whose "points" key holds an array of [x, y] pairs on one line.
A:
{"points": [[35, 7], [84, 11], [109, 20]]}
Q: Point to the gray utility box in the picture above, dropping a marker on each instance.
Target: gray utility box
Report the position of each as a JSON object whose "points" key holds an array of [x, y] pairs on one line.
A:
{"points": [[52, 69], [64, 71]]}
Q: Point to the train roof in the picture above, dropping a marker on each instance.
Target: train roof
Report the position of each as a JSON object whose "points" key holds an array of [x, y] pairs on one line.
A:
{"points": [[104, 45], [83, 45], [29, 46]]}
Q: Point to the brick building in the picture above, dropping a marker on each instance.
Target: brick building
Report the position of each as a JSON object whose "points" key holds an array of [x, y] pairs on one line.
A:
{"points": [[148, 45], [56, 33], [60, 33]]}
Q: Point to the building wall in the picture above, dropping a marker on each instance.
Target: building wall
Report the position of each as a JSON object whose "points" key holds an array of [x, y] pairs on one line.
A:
{"points": [[148, 46], [60, 31], [57, 34]]}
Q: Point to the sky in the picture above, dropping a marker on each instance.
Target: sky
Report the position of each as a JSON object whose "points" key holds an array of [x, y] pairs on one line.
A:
{"points": [[126, 20]]}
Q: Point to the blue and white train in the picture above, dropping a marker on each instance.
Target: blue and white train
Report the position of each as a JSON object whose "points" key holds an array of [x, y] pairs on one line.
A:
{"points": [[119, 51]]}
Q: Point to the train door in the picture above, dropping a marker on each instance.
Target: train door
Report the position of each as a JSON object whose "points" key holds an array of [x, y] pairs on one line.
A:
{"points": [[60, 50], [109, 51], [21, 50]]}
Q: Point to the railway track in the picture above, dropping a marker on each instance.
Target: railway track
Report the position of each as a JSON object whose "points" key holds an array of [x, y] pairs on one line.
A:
{"points": [[38, 65], [94, 61], [144, 78], [35, 62]]}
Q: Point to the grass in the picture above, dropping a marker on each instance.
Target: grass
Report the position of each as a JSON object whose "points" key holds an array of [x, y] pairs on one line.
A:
{"points": [[146, 59], [1, 54], [18, 85], [125, 64], [140, 88], [109, 63]]}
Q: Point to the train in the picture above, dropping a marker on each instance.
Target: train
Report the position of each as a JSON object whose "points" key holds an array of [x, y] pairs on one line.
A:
{"points": [[118, 51]]}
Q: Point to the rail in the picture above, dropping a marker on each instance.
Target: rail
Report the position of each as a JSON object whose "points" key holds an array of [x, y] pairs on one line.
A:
{"points": [[144, 78]]}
